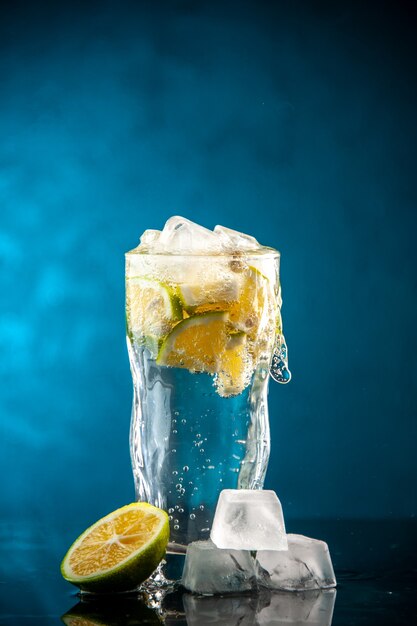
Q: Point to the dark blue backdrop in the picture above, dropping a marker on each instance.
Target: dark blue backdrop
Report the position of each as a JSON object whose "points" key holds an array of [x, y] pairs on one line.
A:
{"points": [[293, 123]]}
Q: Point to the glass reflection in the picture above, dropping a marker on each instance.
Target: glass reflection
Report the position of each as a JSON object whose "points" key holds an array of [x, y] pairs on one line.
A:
{"points": [[312, 608]]}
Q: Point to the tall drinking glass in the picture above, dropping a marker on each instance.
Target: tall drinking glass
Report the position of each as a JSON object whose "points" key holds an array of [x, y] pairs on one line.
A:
{"points": [[201, 335]]}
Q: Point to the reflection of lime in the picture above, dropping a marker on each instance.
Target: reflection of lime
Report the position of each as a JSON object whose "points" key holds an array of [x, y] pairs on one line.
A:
{"points": [[119, 551], [235, 366], [152, 307], [195, 343], [111, 610]]}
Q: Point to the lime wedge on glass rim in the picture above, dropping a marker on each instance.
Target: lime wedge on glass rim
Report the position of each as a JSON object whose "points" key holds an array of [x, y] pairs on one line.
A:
{"points": [[120, 551]]}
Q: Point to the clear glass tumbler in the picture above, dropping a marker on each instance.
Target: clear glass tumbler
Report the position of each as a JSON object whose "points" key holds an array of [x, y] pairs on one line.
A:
{"points": [[201, 335]]}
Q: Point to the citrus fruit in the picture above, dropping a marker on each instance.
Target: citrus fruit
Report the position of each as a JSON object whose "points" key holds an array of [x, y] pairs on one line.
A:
{"points": [[209, 295], [235, 366], [119, 551], [247, 312], [152, 307], [195, 343]]}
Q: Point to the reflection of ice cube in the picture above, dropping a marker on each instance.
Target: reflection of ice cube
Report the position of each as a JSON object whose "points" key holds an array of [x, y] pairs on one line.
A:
{"points": [[234, 240], [180, 235], [229, 611], [310, 608], [209, 570], [248, 519], [306, 565]]}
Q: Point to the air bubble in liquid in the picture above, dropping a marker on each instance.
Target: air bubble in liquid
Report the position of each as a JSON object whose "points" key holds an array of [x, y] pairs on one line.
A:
{"points": [[192, 516]]}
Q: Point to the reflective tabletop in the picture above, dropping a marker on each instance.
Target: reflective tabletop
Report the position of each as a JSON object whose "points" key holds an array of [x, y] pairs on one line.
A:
{"points": [[375, 564]]}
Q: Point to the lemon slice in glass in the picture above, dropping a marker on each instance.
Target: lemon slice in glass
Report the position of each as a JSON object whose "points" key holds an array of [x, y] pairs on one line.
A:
{"points": [[235, 366], [119, 551], [152, 307], [195, 343], [251, 307], [209, 294]]}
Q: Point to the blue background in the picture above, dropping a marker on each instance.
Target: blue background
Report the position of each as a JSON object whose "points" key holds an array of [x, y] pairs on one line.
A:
{"points": [[295, 123]]}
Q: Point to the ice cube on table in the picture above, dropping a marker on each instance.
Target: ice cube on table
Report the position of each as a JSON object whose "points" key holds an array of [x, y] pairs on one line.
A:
{"points": [[234, 240], [306, 565], [249, 519], [182, 236], [309, 608], [209, 570]]}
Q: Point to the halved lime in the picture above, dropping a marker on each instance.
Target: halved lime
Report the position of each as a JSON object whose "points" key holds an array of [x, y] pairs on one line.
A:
{"points": [[119, 551], [196, 343], [152, 307]]}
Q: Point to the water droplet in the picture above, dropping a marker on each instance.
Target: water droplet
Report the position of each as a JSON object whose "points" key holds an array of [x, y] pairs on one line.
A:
{"points": [[180, 510], [176, 527], [192, 516], [170, 518], [279, 367], [201, 507], [198, 436], [181, 479], [175, 473], [170, 510], [185, 468], [183, 421], [178, 487], [176, 413], [175, 521]]}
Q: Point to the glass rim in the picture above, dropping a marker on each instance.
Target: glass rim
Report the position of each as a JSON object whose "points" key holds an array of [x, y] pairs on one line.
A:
{"points": [[262, 252]]}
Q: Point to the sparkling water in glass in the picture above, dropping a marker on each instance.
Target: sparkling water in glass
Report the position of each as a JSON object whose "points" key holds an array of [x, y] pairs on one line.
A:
{"points": [[202, 331]]}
